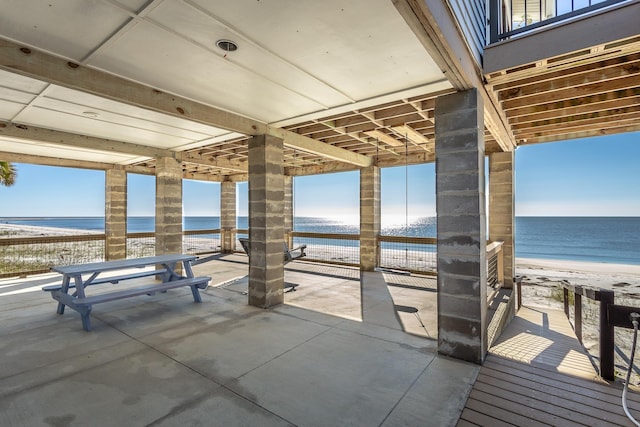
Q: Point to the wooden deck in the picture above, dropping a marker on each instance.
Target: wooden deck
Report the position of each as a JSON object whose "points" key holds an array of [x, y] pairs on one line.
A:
{"points": [[537, 374]]}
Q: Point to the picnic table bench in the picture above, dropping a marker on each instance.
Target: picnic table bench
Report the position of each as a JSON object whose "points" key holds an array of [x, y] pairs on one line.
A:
{"points": [[164, 266]]}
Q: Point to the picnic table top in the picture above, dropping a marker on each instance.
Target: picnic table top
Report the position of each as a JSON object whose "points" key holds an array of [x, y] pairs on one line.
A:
{"points": [[96, 267]]}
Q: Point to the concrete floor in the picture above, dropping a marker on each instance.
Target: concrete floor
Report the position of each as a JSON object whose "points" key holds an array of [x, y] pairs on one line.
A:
{"points": [[333, 355]]}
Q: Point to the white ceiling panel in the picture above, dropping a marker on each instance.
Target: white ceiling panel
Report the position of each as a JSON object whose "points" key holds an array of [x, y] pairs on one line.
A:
{"points": [[195, 24], [362, 47], [82, 112], [71, 28], [104, 104], [19, 97], [181, 67], [63, 152], [9, 109], [74, 123], [21, 83]]}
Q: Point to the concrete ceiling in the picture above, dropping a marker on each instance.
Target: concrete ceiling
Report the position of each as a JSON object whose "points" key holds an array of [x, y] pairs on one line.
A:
{"points": [[296, 59]]}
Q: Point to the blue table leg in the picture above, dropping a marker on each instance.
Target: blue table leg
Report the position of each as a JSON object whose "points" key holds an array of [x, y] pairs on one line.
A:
{"points": [[65, 289]]}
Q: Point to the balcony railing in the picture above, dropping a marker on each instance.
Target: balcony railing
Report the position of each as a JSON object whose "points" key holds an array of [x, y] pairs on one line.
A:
{"points": [[31, 255], [508, 18]]}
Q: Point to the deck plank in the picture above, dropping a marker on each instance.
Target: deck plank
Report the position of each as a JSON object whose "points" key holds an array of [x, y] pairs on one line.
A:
{"points": [[537, 373]]}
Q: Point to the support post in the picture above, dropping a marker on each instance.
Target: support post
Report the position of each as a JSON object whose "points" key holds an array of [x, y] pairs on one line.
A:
{"points": [[606, 337], [461, 226], [369, 217], [502, 210], [115, 215], [228, 217], [266, 221], [577, 314], [168, 206], [288, 210]]}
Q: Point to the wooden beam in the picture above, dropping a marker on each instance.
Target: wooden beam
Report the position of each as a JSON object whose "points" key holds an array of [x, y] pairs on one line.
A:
{"points": [[302, 143], [387, 139], [410, 133], [68, 163], [35, 133], [583, 133], [26, 61], [568, 93], [437, 30], [221, 163], [572, 81]]}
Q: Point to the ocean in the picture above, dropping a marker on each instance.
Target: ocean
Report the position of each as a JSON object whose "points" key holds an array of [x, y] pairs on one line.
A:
{"points": [[592, 239]]}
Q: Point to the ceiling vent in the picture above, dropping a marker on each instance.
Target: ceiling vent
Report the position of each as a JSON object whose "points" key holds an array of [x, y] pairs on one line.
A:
{"points": [[227, 45]]}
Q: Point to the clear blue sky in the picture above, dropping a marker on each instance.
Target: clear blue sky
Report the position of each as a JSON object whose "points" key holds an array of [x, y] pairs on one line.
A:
{"points": [[597, 176]]}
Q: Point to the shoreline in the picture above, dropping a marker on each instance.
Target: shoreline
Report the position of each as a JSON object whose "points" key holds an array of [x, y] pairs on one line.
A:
{"points": [[531, 270]]}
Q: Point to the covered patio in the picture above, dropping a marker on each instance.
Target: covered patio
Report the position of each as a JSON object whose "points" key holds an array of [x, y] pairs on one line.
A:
{"points": [[169, 361]]}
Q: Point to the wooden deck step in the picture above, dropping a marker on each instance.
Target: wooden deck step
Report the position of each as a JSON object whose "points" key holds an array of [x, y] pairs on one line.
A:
{"points": [[537, 374]]}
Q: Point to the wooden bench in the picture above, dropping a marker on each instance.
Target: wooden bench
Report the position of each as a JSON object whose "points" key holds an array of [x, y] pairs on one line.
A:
{"points": [[164, 266]]}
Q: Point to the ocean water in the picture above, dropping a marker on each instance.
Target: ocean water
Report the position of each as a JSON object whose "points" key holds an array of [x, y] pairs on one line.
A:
{"points": [[592, 239]]}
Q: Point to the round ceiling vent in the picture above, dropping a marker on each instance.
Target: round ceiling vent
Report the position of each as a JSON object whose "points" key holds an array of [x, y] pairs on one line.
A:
{"points": [[227, 45]]}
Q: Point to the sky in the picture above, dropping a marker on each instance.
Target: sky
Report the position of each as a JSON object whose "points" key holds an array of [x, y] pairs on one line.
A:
{"points": [[597, 176]]}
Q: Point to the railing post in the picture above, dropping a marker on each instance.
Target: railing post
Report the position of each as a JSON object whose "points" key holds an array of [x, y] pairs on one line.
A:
{"points": [[519, 290], [606, 336], [494, 17], [565, 292], [577, 313]]}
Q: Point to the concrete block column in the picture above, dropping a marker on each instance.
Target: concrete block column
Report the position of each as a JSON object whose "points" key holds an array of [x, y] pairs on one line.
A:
{"points": [[461, 240], [168, 206], [502, 209], [266, 221], [369, 217], [228, 219], [115, 215], [288, 209]]}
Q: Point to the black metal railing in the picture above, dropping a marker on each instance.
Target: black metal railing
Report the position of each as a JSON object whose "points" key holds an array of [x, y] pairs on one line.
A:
{"points": [[508, 18]]}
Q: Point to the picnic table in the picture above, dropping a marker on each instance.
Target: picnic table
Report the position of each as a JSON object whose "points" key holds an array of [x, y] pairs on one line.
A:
{"points": [[82, 276]]}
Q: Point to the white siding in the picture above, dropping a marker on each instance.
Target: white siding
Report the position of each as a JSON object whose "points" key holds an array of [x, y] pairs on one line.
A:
{"points": [[471, 17]]}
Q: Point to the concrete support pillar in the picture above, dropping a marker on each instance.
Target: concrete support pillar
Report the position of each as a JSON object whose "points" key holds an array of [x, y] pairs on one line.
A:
{"points": [[266, 221], [228, 219], [168, 206], [115, 215], [288, 209], [460, 202], [369, 217], [501, 209]]}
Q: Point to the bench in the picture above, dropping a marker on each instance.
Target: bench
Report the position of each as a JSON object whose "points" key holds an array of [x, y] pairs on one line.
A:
{"points": [[289, 255], [164, 266], [113, 279]]}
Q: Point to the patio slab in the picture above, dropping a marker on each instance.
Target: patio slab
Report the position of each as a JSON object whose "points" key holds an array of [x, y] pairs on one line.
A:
{"points": [[164, 360]]}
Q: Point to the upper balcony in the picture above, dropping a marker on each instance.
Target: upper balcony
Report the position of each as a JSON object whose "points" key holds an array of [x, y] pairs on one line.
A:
{"points": [[508, 18]]}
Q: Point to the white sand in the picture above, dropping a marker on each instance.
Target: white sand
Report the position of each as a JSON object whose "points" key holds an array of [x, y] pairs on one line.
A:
{"points": [[16, 230], [619, 277]]}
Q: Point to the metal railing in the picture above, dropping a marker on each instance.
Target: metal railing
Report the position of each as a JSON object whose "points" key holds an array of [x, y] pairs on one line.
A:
{"points": [[508, 18], [329, 248], [20, 256], [32, 255], [495, 268], [414, 254]]}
